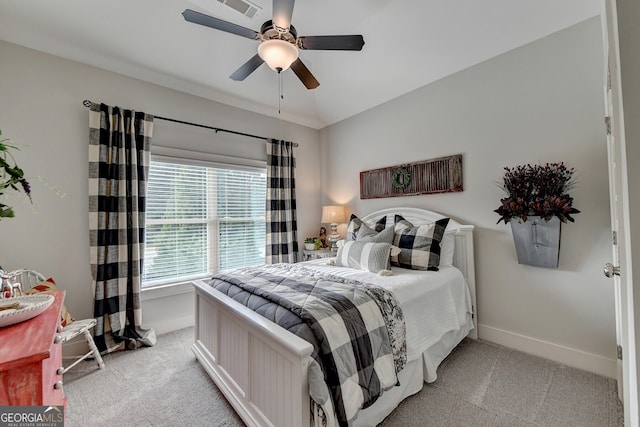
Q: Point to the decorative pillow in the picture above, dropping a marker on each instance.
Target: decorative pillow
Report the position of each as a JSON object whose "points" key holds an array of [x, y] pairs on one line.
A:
{"points": [[49, 287], [366, 234], [419, 245], [355, 223], [447, 246], [367, 256]]}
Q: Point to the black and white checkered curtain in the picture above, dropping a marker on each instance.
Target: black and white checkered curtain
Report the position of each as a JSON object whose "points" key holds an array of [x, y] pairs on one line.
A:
{"points": [[282, 226], [119, 143]]}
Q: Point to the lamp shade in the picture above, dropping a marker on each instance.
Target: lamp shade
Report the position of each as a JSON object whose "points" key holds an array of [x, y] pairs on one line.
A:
{"points": [[333, 214], [278, 54]]}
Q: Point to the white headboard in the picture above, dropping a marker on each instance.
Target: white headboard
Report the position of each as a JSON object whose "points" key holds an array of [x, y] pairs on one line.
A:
{"points": [[463, 256]]}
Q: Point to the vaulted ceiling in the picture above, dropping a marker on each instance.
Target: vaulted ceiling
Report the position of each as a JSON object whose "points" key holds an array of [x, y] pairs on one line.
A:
{"points": [[408, 44]]}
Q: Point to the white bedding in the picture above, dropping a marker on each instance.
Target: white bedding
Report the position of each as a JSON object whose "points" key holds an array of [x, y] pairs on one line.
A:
{"points": [[433, 302]]}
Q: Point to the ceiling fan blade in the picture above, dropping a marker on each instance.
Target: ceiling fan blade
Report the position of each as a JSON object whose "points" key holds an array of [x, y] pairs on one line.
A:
{"points": [[304, 74], [351, 42], [218, 24], [247, 68], [282, 11]]}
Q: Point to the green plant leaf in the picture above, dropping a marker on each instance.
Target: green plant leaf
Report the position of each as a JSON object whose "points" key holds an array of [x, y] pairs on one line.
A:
{"points": [[10, 176], [6, 212]]}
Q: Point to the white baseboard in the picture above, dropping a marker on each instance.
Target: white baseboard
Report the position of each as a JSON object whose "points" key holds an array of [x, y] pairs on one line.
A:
{"points": [[558, 353], [173, 324], [79, 347], [74, 349]]}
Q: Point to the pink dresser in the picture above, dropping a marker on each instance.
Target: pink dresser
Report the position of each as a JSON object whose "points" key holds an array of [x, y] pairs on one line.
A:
{"points": [[30, 356]]}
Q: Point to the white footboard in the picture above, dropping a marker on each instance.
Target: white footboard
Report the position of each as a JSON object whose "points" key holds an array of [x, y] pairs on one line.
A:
{"points": [[260, 367]]}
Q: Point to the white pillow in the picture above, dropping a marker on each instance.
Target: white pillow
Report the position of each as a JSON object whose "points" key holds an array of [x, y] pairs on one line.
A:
{"points": [[447, 246], [368, 256]]}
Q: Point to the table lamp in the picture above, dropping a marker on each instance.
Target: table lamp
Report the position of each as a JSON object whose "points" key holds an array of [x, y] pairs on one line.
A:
{"points": [[333, 215]]}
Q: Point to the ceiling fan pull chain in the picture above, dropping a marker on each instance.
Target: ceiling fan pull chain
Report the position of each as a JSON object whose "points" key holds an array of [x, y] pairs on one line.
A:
{"points": [[279, 89]]}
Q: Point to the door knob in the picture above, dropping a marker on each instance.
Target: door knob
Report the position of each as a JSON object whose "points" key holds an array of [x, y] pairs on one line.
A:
{"points": [[610, 270]]}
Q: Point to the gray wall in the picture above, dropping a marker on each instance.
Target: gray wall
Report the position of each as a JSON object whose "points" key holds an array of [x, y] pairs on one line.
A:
{"points": [[41, 109], [539, 103]]}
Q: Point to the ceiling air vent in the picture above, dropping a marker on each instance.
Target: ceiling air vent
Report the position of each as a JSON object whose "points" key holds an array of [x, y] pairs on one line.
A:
{"points": [[246, 8]]}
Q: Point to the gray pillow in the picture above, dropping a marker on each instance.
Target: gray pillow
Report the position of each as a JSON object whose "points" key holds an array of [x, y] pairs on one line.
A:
{"points": [[366, 234], [355, 223], [367, 256]]}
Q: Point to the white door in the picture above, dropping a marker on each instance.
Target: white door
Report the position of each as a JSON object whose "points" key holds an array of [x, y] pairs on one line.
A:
{"points": [[619, 269], [612, 269]]}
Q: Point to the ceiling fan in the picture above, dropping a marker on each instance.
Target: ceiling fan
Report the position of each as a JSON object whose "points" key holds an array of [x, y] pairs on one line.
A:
{"points": [[279, 42]]}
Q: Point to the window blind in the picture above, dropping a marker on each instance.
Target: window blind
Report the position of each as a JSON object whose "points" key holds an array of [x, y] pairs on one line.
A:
{"points": [[202, 219]]}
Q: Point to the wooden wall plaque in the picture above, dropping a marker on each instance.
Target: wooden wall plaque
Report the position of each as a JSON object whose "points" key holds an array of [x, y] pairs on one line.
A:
{"points": [[442, 175]]}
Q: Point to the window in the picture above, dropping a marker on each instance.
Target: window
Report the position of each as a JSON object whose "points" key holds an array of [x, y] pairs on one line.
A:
{"points": [[202, 218]]}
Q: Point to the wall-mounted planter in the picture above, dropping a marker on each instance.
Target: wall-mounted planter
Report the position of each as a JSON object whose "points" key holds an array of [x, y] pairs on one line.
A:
{"points": [[537, 241]]}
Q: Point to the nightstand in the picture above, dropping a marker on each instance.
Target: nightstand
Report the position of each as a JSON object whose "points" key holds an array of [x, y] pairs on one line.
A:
{"points": [[323, 253]]}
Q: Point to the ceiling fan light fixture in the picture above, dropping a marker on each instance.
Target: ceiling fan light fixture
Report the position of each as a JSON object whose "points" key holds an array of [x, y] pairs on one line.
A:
{"points": [[278, 54]]}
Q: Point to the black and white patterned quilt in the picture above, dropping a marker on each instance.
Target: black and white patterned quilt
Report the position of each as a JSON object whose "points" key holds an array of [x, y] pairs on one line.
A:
{"points": [[357, 330]]}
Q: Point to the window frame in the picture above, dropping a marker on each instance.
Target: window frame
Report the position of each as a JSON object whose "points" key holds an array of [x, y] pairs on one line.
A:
{"points": [[195, 158]]}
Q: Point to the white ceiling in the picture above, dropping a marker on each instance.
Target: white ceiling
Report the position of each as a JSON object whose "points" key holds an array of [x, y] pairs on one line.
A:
{"points": [[408, 44]]}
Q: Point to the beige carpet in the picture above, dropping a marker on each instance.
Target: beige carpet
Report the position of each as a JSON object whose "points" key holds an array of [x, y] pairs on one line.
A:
{"points": [[482, 384], [479, 384]]}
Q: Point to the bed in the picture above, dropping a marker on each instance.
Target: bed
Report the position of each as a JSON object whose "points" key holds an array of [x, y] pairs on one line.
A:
{"points": [[263, 370]]}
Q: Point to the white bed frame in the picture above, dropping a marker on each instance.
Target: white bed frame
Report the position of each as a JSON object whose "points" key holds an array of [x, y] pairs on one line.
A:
{"points": [[260, 367]]}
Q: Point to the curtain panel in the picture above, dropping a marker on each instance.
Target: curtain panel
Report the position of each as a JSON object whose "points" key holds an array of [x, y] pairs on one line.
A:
{"points": [[119, 144], [282, 226]]}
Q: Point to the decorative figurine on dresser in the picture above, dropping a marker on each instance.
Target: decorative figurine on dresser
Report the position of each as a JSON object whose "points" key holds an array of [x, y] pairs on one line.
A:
{"points": [[8, 288], [323, 238]]}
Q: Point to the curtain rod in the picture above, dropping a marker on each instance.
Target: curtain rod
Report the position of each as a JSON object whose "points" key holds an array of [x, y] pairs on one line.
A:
{"points": [[88, 103]]}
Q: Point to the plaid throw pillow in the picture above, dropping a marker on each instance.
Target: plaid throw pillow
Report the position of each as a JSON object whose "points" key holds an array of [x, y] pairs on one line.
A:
{"points": [[419, 245], [367, 256], [355, 223], [49, 287]]}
